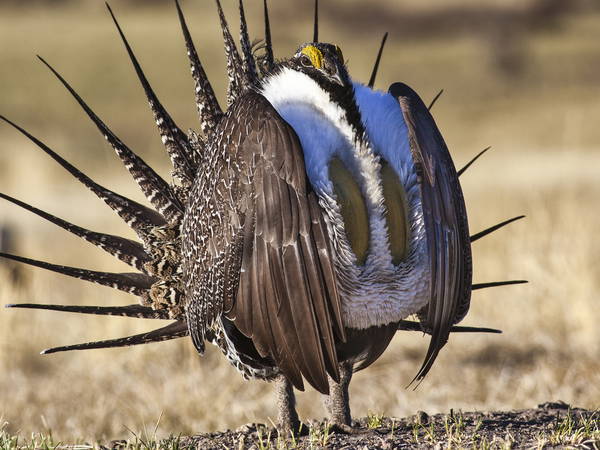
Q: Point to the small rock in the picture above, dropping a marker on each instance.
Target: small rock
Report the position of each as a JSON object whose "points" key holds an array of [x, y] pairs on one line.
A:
{"points": [[554, 405], [421, 418], [247, 428]]}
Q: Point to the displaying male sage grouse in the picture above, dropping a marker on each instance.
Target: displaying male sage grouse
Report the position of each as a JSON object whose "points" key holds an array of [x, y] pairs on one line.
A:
{"points": [[308, 221]]}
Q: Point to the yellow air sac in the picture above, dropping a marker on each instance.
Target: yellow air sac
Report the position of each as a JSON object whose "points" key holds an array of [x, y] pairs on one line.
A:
{"points": [[353, 208], [394, 199]]}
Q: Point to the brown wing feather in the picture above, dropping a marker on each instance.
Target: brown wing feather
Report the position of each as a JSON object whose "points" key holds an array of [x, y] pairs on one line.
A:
{"points": [[293, 290], [445, 222], [285, 298]]}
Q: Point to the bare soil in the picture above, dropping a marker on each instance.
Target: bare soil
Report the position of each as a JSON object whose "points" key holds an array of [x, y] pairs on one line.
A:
{"points": [[550, 425]]}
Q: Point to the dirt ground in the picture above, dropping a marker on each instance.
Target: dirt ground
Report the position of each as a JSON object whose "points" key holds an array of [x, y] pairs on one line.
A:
{"points": [[550, 425]]}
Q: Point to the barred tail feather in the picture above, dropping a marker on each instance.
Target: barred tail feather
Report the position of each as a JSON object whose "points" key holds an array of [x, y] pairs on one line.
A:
{"points": [[269, 58], [139, 217], [136, 311], [235, 73], [248, 63], [207, 104], [126, 250], [175, 140], [172, 331], [157, 191], [132, 283]]}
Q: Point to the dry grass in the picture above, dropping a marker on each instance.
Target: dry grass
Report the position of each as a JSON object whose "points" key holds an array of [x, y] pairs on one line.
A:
{"points": [[545, 164]]}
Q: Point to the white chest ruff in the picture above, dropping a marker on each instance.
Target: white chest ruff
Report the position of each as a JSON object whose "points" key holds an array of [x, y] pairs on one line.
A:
{"points": [[378, 292]]}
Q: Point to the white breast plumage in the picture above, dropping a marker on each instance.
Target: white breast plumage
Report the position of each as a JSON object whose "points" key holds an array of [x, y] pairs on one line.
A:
{"points": [[377, 292]]}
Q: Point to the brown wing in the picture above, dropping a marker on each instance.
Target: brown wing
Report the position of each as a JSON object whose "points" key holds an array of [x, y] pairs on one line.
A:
{"points": [[445, 222], [286, 299]]}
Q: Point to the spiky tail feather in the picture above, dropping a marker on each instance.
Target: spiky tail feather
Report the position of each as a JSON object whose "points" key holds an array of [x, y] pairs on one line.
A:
{"points": [[159, 256], [493, 228], [178, 146], [433, 102], [157, 191], [126, 250], [235, 71], [409, 325], [477, 286], [269, 59], [248, 63], [208, 107], [172, 331], [377, 61], [133, 283], [475, 158], [136, 311], [139, 217]]}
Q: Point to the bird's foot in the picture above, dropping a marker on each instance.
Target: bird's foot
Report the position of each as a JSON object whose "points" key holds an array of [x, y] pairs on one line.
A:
{"points": [[344, 428], [292, 429]]}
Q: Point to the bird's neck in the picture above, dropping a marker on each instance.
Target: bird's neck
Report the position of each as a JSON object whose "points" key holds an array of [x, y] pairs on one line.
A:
{"points": [[286, 85]]}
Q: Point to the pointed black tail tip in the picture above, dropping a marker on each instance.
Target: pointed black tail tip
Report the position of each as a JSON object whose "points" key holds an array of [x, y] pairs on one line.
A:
{"points": [[112, 14], [43, 61], [49, 351], [11, 305], [415, 382]]}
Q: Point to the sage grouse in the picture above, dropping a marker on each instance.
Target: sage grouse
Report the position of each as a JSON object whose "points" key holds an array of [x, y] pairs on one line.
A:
{"points": [[307, 221]]}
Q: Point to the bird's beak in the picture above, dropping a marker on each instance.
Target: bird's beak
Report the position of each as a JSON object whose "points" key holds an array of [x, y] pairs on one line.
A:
{"points": [[337, 79], [334, 72]]}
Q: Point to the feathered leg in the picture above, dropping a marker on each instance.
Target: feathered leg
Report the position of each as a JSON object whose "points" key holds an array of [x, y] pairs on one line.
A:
{"points": [[338, 401], [287, 417]]}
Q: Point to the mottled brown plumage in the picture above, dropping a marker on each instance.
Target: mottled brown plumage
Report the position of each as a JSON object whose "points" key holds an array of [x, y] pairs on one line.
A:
{"points": [[244, 252]]}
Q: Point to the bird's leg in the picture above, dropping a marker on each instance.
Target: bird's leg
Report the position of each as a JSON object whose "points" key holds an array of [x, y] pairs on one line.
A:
{"points": [[338, 402], [287, 417]]}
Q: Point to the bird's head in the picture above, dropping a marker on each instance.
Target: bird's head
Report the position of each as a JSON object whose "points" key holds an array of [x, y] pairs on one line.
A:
{"points": [[322, 62]]}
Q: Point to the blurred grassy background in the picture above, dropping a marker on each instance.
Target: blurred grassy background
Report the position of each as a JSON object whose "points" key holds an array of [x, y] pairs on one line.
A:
{"points": [[520, 76]]}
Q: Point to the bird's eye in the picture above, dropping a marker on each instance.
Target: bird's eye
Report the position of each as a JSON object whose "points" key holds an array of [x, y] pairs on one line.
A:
{"points": [[305, 61]]}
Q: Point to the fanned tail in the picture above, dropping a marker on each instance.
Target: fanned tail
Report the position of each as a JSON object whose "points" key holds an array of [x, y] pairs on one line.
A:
{"points": [[136, 311], [134, 283], [235, 72], [207, 104], [139, 217], [175, 141], [126, 250], [172, 331], [157, 191]]}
